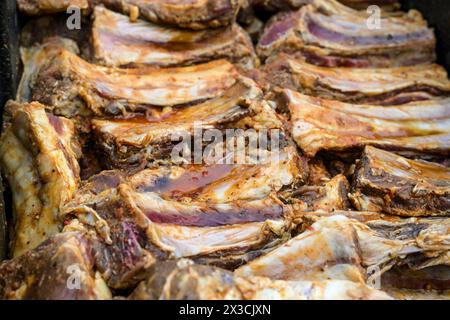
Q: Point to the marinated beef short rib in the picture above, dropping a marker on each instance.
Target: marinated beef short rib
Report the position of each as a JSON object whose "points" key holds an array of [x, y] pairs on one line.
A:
{"points": [[415, 129], [61, 268], [380, 86], [327, 251], [188, 196], [208, 195], [222, 214], [40, 7], [225, 245], [337, 247], [429, 233], [119, 42], [133, 142], [386, 182], [191, 14], [38, 154], [339, 36], [391, 226], [72, 86], [179, 280]]}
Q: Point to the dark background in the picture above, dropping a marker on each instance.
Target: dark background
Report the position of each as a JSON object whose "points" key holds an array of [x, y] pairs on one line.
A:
{"points": [[9, 51], [437, 12]]}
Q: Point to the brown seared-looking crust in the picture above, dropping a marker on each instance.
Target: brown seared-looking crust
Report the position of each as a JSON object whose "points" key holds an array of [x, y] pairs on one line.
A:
{"points": [[418, 128], [318, 172], [328, 196], [136, 141], [39, 155], [191, 14], [61, 268], [40, 7], [380, 86], [119, 42], [386, 182], [339, 36]]}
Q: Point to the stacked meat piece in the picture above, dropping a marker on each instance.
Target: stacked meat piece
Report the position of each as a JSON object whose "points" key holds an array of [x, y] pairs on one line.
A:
{"points": [[347, 198]]}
